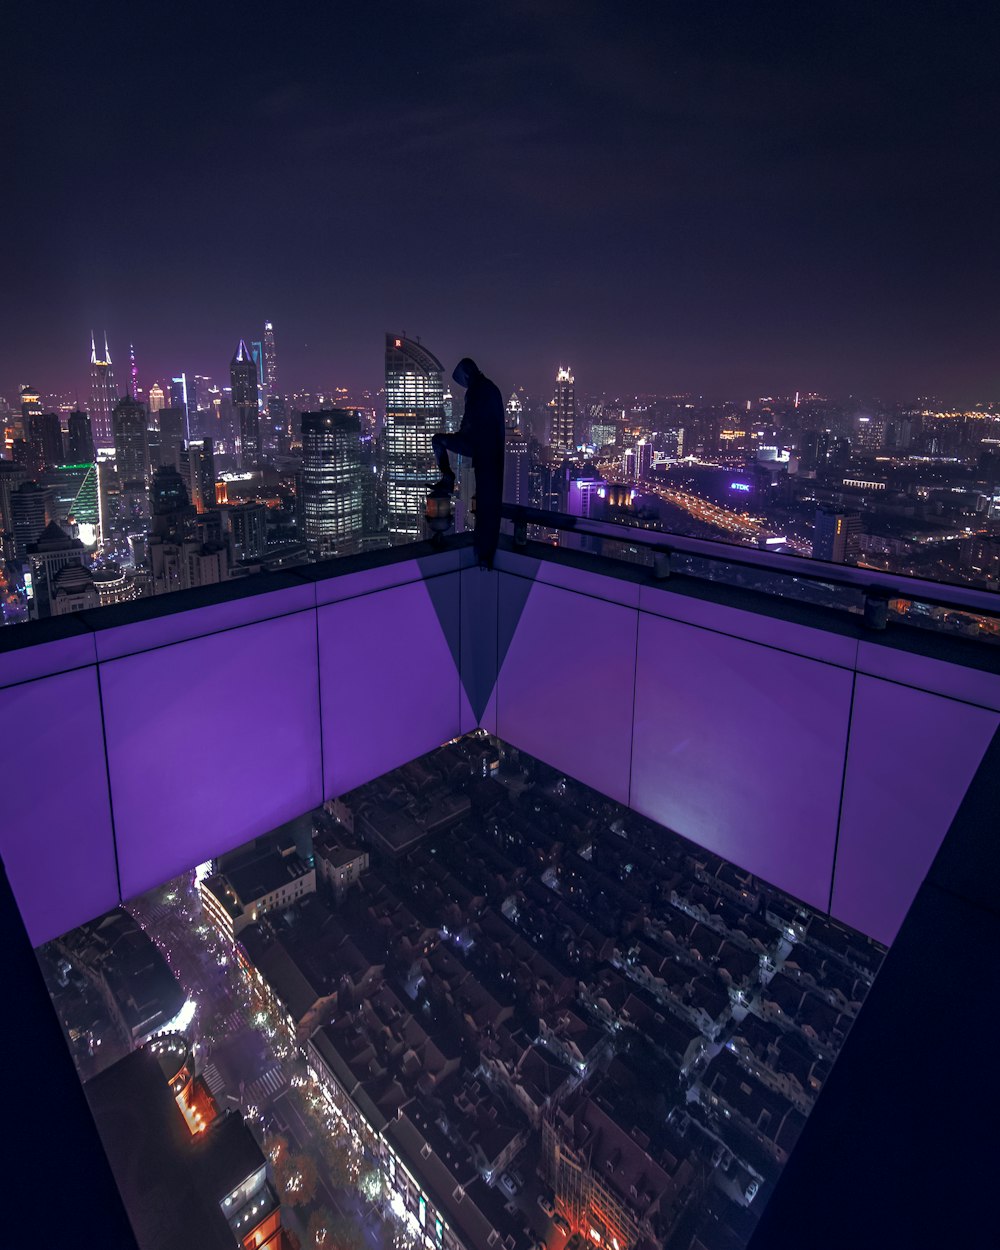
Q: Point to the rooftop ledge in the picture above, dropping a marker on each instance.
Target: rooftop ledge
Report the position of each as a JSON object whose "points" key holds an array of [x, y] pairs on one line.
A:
{"points": [[826, 759]]}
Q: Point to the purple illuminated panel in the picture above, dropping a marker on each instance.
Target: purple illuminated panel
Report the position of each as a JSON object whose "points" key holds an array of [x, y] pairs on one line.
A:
{"points": [[56, 838], [211, 742], [910, 762], [565, 689], [740, 748], [390, 683]]}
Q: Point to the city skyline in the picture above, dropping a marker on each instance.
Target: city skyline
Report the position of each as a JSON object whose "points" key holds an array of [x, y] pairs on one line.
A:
{"points": [[537, 377], [781, 201]]}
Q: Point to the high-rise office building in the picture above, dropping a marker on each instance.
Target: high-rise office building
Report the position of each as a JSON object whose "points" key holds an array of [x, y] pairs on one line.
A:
{"points": [[157, 399], [30, 513], [331, 482], [247, 522], [103, 395], [515, 412], [257, 352], [562, 435], [131, 440], [11, 477], [246, 406], [80, 439], [171, 436], [45, 432], [270, 362], [169, 505], [837, 535], [516, 465], [74, 498], [179, 399], [31, 405], [414, 412], [200, 456]]}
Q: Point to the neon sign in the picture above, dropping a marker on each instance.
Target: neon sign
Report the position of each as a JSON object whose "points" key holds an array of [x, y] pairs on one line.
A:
{"points": [[744, 486]]}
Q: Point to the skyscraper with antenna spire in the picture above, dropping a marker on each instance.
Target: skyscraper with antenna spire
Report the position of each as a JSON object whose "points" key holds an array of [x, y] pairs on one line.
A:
{"points": [[133, 372], [103, 394]]}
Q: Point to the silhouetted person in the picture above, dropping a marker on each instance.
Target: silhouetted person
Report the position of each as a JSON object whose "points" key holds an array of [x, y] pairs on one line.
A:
{"points": [[480, 436]]}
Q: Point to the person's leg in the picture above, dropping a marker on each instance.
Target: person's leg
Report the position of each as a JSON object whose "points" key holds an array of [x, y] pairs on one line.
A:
{"points": [[442, 444]]}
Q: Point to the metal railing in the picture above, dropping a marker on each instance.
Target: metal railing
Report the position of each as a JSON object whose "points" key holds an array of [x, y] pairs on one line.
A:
{"points": [[876, 596]]}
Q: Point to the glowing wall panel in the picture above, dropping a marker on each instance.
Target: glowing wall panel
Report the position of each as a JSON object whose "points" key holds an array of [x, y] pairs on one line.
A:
{"points": [[740, 748], [911, 758], [389, 679], [55, 834], [564, 693], [211, 742]]}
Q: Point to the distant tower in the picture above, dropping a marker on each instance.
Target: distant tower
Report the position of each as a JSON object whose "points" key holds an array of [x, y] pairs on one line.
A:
{"points": [[133, 372], [103, 395], [80, 442], [246, 407], [516, 466], [31, 405], [414, 412], [157, 399], [331, 482], [131, 440], [270, 362], [562, 437], [515, 412]]}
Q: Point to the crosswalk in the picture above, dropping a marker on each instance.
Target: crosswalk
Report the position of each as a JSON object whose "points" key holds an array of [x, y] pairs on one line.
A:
{"points": [[214, 1079], [235, 1021], [267, 1086]]}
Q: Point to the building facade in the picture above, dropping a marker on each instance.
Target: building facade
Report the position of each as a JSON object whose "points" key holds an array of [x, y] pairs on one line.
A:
{"points": [[562, 433], [414, 413], [103, 395], [331, 483], [246, 405]]}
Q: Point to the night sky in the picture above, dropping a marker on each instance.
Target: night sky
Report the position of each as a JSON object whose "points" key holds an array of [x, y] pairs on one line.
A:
{"points": [[723, 198]]}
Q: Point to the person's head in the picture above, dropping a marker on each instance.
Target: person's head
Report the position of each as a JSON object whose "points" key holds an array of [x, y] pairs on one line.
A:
{"points": [[465, 371]]}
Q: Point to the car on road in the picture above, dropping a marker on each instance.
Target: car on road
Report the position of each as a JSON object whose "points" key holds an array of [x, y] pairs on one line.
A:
{"points": [[508, 1184], [560, 1223], [546, 1204]]}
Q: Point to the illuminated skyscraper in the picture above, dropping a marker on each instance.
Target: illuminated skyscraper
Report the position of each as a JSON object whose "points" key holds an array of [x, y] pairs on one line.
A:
{"points": [[31, 405], [133, 372], [103, 395], [131, 440], [200, 459], [414, 413], [257, 352], [270, 362], [157, 399], [246, 406], [331, 482], [515, 412], [516, 465], [562, 436]]}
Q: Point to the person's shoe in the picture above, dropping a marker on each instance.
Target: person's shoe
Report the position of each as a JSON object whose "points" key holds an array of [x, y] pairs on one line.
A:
{"points": [[443, 488]]}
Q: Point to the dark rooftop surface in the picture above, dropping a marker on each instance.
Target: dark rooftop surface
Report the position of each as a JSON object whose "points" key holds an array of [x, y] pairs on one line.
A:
{"points": [[171, 1182]]}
